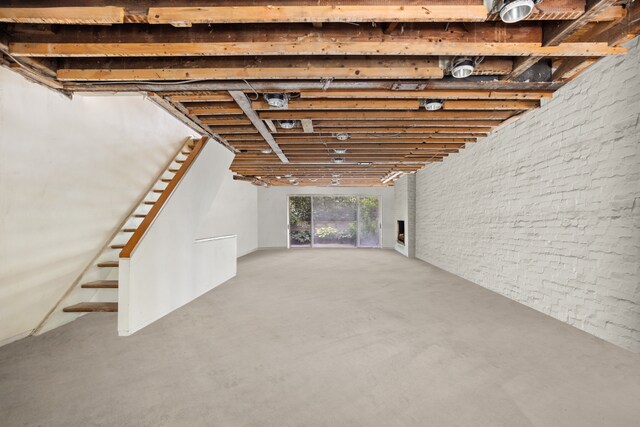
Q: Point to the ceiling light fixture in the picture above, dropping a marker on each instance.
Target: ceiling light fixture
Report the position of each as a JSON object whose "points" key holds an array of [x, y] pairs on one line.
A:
{"points": [[365, 163], [277, 100], [339, 150], [266, 151], [516, 10], [462, 67], [287, 124], [433, 104], [342, 136], [338, 160], [334, 182]]}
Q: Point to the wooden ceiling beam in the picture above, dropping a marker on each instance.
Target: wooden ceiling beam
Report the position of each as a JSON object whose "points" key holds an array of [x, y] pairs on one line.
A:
{"points": [[225, 122], [467, 11], [356, 125], [383, 115], [557, 32], [624, 31], [554, 34], [408, 139], [377, 146], [423, 94], [208, 97], [379, 104], [262, 69], [409, 128], [100, 15], [309, 48], [215, 111]]}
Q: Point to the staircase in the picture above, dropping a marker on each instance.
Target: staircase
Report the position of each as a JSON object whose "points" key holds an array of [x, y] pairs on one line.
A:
{"points": [[102, 294]]}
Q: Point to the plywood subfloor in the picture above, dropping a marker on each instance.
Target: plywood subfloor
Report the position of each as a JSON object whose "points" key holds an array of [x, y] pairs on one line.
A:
{"points": [[331, 337]]}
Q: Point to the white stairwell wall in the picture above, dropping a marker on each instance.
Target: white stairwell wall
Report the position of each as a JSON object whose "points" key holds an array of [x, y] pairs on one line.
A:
{"points": [[70, 170], [170, 267]]}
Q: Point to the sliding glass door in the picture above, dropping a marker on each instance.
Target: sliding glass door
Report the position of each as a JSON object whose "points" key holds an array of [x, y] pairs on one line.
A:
{"points": [[369, 222], [300, 221], [334, 221]]}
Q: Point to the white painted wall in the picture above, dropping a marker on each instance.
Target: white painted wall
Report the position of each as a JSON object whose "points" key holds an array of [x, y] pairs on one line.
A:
{"points": [[547, 210], [234, 211], [273, 205], [69, 171], [405, 210], [169, 268]]}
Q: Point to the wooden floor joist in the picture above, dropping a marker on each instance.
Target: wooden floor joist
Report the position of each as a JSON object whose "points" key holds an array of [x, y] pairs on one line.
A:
{"points": [[310, 48], [101, 15], [474, 11]]}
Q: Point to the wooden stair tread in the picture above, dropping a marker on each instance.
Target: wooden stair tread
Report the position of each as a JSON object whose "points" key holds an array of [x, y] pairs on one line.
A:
{"points": [[159, 191], [173, 170], [149, 203], [118, 246], [139, 215], [92, 307], [101, 284], [128, 230], [166, 179], [108, 264]]}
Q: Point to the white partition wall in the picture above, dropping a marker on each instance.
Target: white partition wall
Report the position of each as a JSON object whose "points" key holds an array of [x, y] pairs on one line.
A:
{"points": [[173, 264]]}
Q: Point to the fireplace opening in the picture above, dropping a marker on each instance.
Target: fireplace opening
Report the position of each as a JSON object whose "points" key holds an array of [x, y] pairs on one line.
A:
{"points": [[401, 232]]}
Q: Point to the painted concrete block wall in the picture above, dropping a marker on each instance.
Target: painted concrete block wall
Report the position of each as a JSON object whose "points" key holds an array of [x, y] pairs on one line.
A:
{"points": [[547, 209], [405, 210], [69, 171], [273, 205]]}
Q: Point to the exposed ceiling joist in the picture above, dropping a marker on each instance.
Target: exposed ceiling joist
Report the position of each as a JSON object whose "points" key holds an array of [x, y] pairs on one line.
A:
{"points": [[468, 11], [309, 47], [353, 96]]}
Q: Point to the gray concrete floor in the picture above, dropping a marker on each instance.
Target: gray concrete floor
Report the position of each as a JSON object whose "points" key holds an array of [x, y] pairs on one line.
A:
{"points": [[325, 338]]}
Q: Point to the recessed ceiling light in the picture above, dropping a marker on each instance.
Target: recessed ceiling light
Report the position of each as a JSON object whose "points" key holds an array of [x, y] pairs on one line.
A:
{"points": [[287, 124], [339, 150], [295, 183], [288, 175], [277, 100], [334, 182], [292, 179], [462, 68], [342, 136], [516, 10], [433, 104], [338, 160], [266, 151], [365, 163]]}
